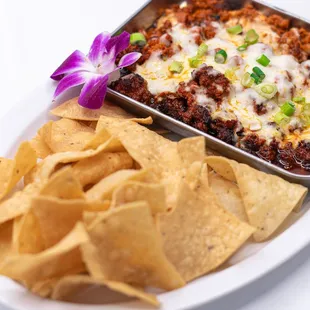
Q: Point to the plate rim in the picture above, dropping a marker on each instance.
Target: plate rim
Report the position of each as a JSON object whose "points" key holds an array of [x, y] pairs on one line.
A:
{"points": [[235, 277]]}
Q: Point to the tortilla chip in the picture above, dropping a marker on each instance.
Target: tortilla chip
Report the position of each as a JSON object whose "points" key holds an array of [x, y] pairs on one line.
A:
{"points": [[127, 237], [168, 161], [99, 138], [199, 235], [268, 199], [11, 171], [45, 168], [153, 194], [72, 110], [39, 145], [68, 135], [17, 222], [57, 217], [228, 194], [104, 189], [18, 204], [91, 170], [71, 285], [64, 185], [44, 288], [62, 259], [192, 150], [27, 235], [6, 234]]}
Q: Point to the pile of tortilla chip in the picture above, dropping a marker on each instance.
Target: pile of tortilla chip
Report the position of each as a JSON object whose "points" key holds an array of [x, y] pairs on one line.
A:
{"points": [[108, 202]]}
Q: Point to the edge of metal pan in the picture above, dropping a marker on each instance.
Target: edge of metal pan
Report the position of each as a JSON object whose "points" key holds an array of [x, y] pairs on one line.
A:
{"points": [[144, 18]]}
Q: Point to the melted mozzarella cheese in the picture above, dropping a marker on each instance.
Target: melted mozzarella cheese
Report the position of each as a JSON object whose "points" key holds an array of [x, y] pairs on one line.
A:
{"points": [[283, 70]]}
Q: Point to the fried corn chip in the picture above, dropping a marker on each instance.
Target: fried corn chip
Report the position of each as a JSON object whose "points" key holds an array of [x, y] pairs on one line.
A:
{"points": [[18, 204], [167, 160], [130, 229], [6, 234], [63, 184], [192, 150], [268, 199], [72, 284], [44, 288], [91, 170], [199, 235], [132, 191], [72, 110], [67, 135], [57, 217], [45, 168], [27, 235], [104, 189], [62, 259], [11, 171], [38, 142], [102, 137], [228, 194]]}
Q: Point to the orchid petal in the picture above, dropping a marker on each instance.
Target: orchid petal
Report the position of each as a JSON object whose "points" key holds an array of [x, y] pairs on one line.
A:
{"points": [[120, 43], [71, 80], [94, 92], [129, 59], [76, 61], [98, 48]]}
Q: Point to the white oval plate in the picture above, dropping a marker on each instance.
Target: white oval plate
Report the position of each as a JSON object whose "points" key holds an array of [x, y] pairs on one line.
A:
{"points": [[22, 122]]}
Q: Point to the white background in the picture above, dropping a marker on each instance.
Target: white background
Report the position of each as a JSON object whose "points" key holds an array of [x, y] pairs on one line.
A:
{"points": [[36, 36]]}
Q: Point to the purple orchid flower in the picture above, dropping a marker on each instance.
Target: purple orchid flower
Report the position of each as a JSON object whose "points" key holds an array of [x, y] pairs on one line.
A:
{"points": [[95, 70]]}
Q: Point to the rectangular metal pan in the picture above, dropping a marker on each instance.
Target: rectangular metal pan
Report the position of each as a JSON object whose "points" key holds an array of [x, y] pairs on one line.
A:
{"points": [[145, 18]]}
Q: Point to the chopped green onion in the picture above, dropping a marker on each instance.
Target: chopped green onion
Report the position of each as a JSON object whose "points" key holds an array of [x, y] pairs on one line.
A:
{"points": [[202, 49], [280, 117], [235, 29], [301, 100], [231, 75], [176, 67], [259, 73], [251, 37], [267, 90], [263, 60], [247, 80], [220, 57], [194, 62], [256, 78], [288, 108], [242, 47], [137, 38]]}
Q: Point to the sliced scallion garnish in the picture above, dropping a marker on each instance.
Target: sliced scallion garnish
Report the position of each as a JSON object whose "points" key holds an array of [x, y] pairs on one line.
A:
{"points": [[300, 100], [137, 38], [247, 81], [235, 29], [256, 78], [220, 57], [263, 60], [251, 37], [176, 67], [267, 90], [259, 73], [280, 117], [202, 50], [194, 62], [288, 108], [242, 47]]}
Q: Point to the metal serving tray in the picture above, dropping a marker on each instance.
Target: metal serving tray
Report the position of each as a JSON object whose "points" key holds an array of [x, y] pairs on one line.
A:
{"points": [[145, 18]]}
